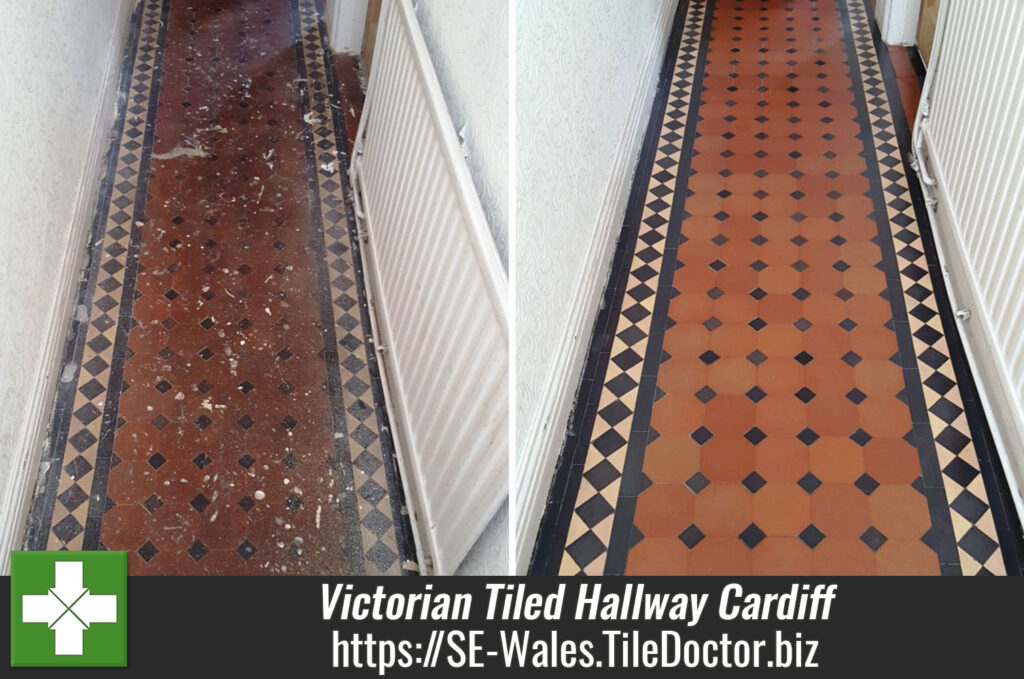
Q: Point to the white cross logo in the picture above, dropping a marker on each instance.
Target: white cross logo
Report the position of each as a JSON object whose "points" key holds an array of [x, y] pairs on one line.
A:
{"points": [[68, 608]]}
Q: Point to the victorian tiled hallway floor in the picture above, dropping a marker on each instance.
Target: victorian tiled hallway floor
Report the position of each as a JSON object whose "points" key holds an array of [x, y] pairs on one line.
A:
{"points": [[776, 385], [220, 411]]}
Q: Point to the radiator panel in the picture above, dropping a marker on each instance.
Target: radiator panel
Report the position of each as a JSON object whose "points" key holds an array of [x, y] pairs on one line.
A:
{"points": [[439, 296]]}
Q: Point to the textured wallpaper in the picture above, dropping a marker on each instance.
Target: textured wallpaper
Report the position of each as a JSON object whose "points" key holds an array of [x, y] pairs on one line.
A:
{"points": [[54, 56], [577, 68], [468, 43]]}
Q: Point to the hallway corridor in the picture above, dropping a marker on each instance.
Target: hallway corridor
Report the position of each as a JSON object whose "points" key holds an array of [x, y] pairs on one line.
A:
{"points": [[776, 384], [220, 409]]}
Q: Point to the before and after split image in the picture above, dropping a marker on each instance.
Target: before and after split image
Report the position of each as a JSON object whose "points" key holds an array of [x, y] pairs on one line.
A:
{"points": [[514, 287]]}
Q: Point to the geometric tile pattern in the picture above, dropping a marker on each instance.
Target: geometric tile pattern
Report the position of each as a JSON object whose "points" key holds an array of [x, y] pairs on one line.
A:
{"points": [[362, 415], [973, 525], [225, 307], [591, 524], [782, 384], [77, 461], [806, 417]]}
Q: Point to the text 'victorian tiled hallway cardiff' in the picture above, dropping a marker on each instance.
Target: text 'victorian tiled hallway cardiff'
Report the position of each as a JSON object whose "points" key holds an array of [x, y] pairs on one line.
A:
{"points": [[220, 410], [776, 385]]}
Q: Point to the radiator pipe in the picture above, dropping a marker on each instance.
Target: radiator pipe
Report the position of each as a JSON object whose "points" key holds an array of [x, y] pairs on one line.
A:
{"points": [[918, 163]]}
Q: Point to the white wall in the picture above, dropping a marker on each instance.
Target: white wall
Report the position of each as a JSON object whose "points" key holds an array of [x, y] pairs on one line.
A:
{"points": [[55, 93], [468, 43], [586, 73]]}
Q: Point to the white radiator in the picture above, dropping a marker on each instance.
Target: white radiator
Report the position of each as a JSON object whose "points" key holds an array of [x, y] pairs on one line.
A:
{"points": [[970, 134], [439, 295]]}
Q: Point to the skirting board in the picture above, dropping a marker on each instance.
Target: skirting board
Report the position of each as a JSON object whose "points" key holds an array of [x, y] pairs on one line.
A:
{"points": [[1003, 407], [16, 497], [545, 440]]}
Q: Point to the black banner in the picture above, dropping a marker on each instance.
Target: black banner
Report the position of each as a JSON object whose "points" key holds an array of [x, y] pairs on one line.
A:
{"points": [[603, 626]]}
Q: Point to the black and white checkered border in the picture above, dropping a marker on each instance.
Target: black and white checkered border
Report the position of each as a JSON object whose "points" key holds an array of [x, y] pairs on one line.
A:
{"points": [[973, 525], [76, 462], [590, 527], [385, 553]]}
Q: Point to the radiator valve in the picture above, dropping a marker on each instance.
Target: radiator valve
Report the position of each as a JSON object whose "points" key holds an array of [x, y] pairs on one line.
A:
{"points": [[963, 314]]}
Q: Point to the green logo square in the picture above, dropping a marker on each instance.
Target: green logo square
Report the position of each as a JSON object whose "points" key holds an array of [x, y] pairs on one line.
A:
{"points": [[69, 609]]}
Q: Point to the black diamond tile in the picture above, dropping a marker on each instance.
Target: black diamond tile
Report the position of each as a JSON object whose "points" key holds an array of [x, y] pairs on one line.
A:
{"points": [[952, 439], [866, 484], [705, 394], [594, 510], [809, 482], [82, 440], [197, 550], [754, 435], [811, 536], [803, 358], [755, 394], [873, 538], [152, 503], [969, 506], [78, 467], [601, 474], [585, 549], [856, 395], [851, 359], [709, 357], [977, 544], [67, 529], [701, 435], [246, 550], [960, 471], [73, 497], [148, 551], [200, 502], [805, 395], [615, 412], [752, 535], [808, 436], [697, 482], [609, 442], [692, 536], [860, 437], [753, 482]]}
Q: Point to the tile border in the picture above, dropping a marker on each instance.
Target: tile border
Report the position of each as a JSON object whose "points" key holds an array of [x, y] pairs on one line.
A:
{"points": [[381, 527], [962, 441], [69, 505], [590, 471]]}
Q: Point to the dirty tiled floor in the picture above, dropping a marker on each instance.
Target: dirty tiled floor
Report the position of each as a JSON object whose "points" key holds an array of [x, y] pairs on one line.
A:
{"points": [[777, 386], [220, 409]]}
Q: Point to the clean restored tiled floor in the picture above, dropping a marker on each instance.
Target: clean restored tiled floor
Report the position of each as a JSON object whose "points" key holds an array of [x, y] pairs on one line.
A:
{"points": [[220, 410], [776, 386]]}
